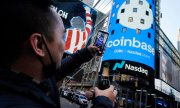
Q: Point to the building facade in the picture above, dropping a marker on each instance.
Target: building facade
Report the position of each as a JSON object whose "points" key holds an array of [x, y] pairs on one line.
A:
{"points": [[163, 93], [161, 89], [178, 41]]}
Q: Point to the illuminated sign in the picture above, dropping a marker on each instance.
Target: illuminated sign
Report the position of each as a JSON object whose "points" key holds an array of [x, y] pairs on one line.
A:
{"points": [[79, 20], [131, 35], [130, 67]]}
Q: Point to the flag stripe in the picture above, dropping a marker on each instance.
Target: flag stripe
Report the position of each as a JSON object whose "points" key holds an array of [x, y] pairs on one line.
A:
{"points": [[68, 41], [77, 39]]}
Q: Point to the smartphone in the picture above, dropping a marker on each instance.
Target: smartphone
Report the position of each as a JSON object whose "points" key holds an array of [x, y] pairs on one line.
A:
{"points": [[100, 40]]}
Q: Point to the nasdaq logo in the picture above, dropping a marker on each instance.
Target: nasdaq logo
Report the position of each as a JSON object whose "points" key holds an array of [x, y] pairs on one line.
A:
{"points": [[130, 67], [119, 65], [136, 69]]}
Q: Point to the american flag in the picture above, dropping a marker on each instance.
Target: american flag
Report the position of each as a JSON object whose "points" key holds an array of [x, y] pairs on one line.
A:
{"points": [[77, 38]]}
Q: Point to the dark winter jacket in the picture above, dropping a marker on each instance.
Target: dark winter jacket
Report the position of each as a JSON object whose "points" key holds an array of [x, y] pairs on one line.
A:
{"points": [[20, 91]]}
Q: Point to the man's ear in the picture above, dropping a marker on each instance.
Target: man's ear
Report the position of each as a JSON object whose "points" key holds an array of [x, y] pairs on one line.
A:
{"points": [[37, 45]]}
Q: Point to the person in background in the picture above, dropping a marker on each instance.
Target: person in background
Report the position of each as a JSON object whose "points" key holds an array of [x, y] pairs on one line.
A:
{"points": [[31, 62]]}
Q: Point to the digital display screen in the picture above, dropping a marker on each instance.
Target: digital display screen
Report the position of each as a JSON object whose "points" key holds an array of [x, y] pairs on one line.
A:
{"points": [[100, 39], [132, 32], [79, 20]]}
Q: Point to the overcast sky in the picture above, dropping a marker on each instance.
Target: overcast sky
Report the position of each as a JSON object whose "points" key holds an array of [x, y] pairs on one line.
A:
{"points": [[170, 21]]}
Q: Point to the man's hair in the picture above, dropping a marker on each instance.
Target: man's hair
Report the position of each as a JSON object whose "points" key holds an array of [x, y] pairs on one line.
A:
{"points": [[20, 19]]}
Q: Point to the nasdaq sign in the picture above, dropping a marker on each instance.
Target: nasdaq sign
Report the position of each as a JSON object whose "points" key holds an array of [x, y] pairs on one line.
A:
{"points": [[132, 35], [130, 67]]}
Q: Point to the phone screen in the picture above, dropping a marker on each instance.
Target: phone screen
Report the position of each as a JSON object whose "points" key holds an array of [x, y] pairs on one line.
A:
{"points": [[100, 40]]}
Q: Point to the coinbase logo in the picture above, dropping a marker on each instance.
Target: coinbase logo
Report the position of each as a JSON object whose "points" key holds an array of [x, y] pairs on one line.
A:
{"points": [[131, 43]]}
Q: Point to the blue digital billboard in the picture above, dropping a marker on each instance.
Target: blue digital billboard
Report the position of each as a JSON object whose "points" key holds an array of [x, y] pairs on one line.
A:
{"points": [[131, 35]]}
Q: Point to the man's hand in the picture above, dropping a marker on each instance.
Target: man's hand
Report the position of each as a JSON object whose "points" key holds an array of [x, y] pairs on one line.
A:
{"points": [[110, 93], [93, 50], [89, 95]]}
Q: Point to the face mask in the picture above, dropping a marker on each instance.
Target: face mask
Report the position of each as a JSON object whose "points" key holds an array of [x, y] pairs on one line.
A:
{"points": [[51, 69]]}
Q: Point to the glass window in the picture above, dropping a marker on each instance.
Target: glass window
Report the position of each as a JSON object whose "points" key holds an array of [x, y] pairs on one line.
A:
{"points": [[142, 21], [134, 9], [113, 14], [112, 32], [122, 10], [127, 1], [109, 24], [152, 26], [130, 19], [140, 2], [124, 29], [147, 13], [150, 6], [117, 21], [149, 35], [113, 3], [153, 1], [117, 5], [138, 31]]}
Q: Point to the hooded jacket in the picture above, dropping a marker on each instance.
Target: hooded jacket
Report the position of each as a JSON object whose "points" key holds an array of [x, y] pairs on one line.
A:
{"points": [[20, 91]]}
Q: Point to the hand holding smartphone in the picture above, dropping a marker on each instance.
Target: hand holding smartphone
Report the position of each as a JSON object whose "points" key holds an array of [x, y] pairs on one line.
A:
{"points": [[100, 40]]}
